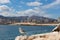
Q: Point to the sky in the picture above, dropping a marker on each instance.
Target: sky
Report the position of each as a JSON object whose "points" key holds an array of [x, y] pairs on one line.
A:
{"points": [[46, 8]]}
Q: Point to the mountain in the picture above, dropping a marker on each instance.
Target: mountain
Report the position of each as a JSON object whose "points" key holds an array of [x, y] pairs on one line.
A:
{"points": [[35, 19]]}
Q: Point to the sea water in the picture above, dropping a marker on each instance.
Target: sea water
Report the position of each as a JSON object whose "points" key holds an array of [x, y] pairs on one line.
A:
{"points": [[10, 32]]}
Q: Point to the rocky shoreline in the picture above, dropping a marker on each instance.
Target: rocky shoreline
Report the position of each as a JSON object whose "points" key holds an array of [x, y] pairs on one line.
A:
{"points": [[46, 36]]}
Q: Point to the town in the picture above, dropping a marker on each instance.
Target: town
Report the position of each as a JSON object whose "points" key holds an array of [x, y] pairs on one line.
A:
{"points": [[27, 19]]}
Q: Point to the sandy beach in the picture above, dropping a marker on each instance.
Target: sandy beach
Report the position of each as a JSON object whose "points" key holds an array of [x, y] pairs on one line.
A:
{"points": [[32, 24], [46, 36]]}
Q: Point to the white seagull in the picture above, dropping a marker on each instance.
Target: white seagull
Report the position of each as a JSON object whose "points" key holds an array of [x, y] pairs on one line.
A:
{"points": [[22, 31]]}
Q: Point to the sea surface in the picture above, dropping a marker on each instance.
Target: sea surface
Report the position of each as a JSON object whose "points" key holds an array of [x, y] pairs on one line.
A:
{"points": [[10, 32]]}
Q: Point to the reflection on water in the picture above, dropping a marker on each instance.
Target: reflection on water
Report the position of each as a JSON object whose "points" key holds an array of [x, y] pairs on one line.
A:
{"points": [[9, 32]]}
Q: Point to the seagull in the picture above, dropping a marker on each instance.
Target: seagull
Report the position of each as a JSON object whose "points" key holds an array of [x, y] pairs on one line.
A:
{"points": [[22, 31]]}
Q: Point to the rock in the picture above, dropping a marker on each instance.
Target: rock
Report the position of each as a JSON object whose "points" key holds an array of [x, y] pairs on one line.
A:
{"points": [[31, 37], [21, 38], [48, 36]]}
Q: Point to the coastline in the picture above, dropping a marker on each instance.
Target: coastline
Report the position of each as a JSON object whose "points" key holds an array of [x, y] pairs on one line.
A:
{"points": [[34, 24]]}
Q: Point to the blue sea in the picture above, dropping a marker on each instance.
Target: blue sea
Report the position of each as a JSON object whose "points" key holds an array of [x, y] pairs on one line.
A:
{"points": [[10, 32]]}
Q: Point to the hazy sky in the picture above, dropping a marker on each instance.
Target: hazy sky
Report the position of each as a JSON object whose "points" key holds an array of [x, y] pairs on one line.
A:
{"points": [[47, 8]]}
